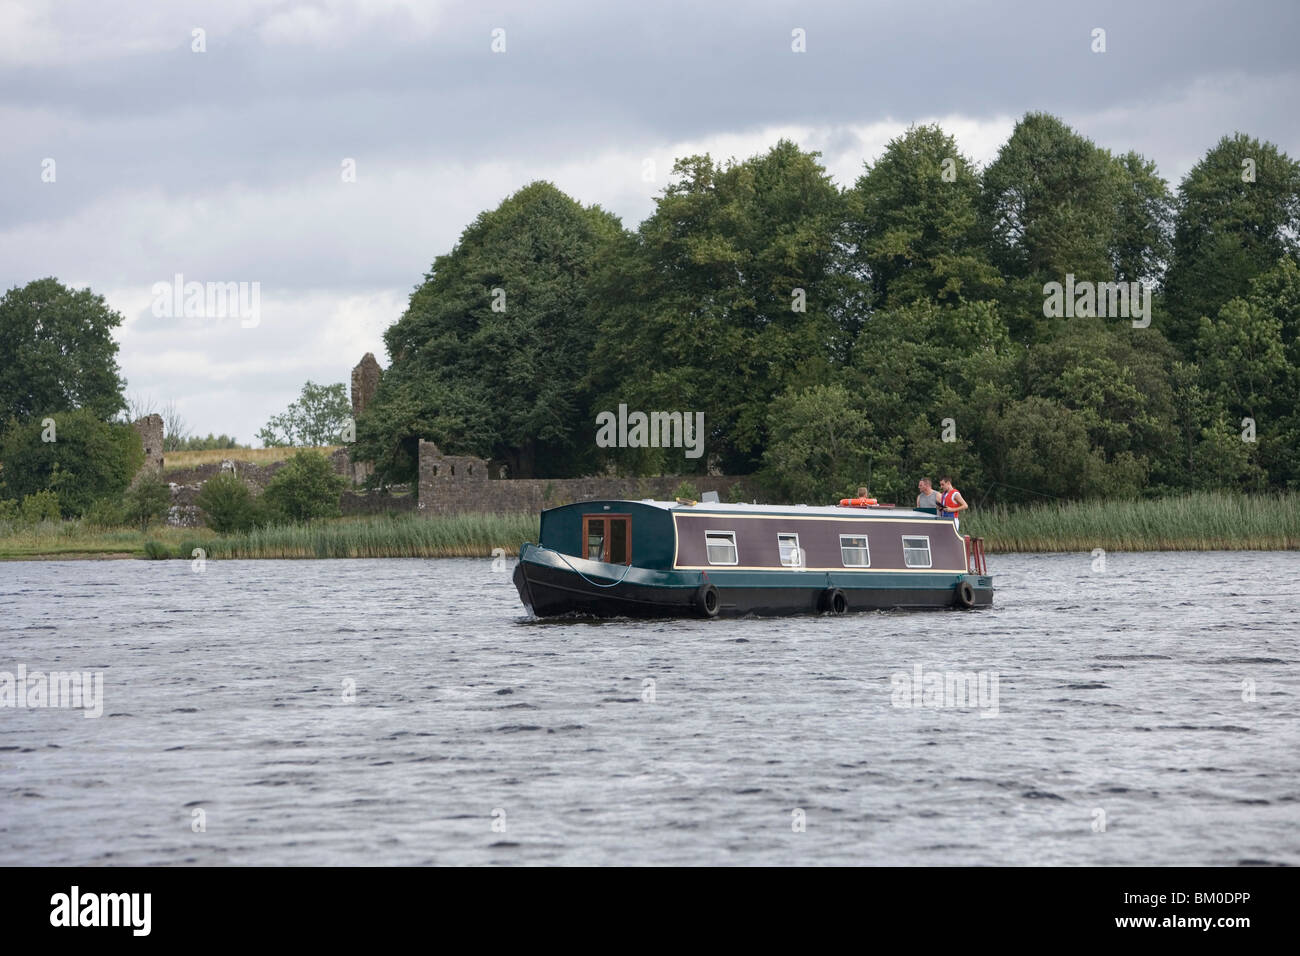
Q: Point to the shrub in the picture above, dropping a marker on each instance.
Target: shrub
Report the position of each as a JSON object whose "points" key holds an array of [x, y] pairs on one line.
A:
{"points": [[41, 506], [227, 504], [105, 513], [305, 488], [147, 500], [8, 509], [156, 551], [686, 490], [736, 495]]}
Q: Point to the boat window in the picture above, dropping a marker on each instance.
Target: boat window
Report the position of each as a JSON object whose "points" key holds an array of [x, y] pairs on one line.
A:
{"points": [[618, 541], [607, 538], [791, 554], [721, 546], [854, 551], [593, 545], [916, 552]]}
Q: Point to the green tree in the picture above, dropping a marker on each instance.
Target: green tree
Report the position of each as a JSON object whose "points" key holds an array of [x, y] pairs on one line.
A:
{"points": [[227, 504], [402, 413], [914, 371], [1040, 449], [1115, 381], [1225, 461], [1241, 356], [491, 357], [729, 293], [57, 352], [1246, 367], [73, 453], [1140, 245], [1276, 293], [1238, 214], [318, 417], [147, 500], [306, 488], [821, 445], [1050, 207], [913, 223]]}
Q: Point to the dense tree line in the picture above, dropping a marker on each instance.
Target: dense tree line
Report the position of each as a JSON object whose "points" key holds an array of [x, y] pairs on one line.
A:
{"points": [[832, 337], [880, 332]]}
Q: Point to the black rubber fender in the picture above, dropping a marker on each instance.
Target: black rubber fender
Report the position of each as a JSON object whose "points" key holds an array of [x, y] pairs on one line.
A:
{"points": [[706, 601], [834, 602], [965, 594]]}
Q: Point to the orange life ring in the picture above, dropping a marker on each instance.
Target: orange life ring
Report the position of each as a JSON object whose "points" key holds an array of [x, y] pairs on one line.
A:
{"points": [[857, 502]]}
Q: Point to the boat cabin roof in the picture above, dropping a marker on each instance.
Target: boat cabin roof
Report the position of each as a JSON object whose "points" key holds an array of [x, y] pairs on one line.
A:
{"points": [[795, 510]]}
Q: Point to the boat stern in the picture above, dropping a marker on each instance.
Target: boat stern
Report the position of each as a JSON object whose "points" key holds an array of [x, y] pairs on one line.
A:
{"points": [[974, 590]]}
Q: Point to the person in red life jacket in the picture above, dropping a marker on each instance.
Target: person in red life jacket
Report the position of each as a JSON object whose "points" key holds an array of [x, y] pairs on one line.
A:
{"points": [[951, 501]]}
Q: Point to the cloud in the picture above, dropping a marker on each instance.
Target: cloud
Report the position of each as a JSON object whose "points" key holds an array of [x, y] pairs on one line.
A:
{"points": [[44, 33], [328, 23], [225, 166], [227, 378]]}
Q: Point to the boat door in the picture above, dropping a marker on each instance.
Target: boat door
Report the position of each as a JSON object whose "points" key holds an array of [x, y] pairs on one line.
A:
{"points": [[607, 538]]}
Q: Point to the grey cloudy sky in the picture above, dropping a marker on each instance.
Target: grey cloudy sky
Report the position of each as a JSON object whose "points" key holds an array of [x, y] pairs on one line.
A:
{"points": [[225, 165]]}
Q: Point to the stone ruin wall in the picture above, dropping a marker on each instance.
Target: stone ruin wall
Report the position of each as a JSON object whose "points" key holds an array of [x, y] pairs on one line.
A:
{"points": [[355, 471], [185, 486], [462, 485]]}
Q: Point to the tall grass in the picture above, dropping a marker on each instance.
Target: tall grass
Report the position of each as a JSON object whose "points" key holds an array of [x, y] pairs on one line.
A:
{"points": [[1205, 521], [1190, 523], [79, 539], [179, 460], [403, 536]]}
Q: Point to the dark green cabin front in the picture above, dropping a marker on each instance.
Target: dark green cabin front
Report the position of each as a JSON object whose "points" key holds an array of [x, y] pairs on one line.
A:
{"points": [[616, 532]]}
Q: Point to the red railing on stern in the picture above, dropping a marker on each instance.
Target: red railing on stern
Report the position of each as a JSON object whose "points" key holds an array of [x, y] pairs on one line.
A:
{"points": [[975, 555]]}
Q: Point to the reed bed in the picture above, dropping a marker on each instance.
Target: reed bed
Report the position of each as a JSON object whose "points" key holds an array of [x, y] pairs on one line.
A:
{"points": [[1204, 521], [55, 540], [401, 536], [380, 536], [1197, 522]]}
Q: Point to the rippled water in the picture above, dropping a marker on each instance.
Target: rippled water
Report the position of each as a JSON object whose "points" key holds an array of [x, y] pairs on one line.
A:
{"points": [[1121, 734]]}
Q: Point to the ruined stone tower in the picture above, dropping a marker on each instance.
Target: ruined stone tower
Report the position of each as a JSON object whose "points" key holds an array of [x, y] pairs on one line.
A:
{"points": [[151, 436], [365, 379]]}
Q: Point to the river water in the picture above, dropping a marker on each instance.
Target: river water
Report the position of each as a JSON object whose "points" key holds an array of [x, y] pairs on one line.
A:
{"points": [[405, 712]]}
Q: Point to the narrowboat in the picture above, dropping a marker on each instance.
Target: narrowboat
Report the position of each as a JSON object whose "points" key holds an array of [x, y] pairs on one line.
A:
{"points": [[682, 559]]}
